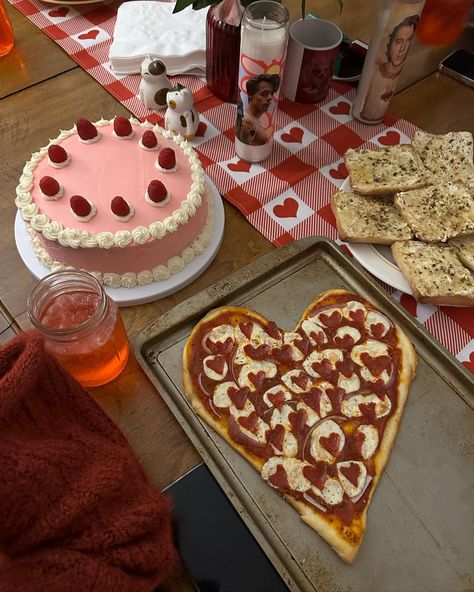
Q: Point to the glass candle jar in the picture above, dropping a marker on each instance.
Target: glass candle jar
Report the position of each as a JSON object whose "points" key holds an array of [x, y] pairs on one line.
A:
{"points": [[264, 36], [82, 326]]}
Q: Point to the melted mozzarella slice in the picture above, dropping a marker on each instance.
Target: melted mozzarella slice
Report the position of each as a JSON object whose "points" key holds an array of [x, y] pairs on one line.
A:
{"points": [[245, 412], [369, 377], [290, 443], [332, 492], [325, 405], [370, 442], [258, 336], [289, 339], [324, 430], [221, 398], [333, 355], [372, 347], [350, 385], [279, 388], [350, 331], [312, 328], [352, 306], [349, 487], [254, 367], [260, 436], [376, 318], [240, 357], [221, 333], [293, 469], [350, 407], [287, 380], [211, 372]]}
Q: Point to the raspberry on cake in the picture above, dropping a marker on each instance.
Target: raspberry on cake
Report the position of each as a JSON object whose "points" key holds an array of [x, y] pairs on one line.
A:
{"points": [[157, 195], [123, 128], [166, 162], [50, 188], [87, 131], [58, 157], [148, 141], [82, 209], [121, 209], [127, 242]]}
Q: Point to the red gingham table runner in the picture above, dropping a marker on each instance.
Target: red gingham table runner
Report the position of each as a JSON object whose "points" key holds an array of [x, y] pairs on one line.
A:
{"points": [[287, 196]]}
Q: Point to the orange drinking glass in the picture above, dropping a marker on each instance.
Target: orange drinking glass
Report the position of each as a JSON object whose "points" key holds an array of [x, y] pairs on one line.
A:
{"points": [[6, 31], [442, 21], [82, 326]]}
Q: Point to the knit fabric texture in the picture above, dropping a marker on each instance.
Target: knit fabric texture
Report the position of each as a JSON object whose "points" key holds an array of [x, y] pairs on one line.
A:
{"points": [[76, 510]]}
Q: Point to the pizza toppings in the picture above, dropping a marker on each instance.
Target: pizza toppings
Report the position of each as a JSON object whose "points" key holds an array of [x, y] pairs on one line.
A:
{"points": [[323, 363], [367, 438], [253, 375], [314, 332], [276, 396], [221, 334], [215, 367], [346, 337], [372, 348], [316, 473], [352, 475], [327, 441], [377, 324], [359, 405], [297, 381], [221, 397], [292, 468], [238, 396]]}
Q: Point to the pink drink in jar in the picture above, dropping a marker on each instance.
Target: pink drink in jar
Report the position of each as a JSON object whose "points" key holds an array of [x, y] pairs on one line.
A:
{"points": [[82, 326]]}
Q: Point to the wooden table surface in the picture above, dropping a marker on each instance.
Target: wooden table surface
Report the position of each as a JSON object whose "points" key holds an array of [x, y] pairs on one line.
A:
{"points": [[43, 90]]}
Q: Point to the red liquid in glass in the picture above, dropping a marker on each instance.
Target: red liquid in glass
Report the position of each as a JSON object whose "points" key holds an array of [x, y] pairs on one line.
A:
{"points": [[96, 357], [222, 58], [442, 21], [6, 31]]}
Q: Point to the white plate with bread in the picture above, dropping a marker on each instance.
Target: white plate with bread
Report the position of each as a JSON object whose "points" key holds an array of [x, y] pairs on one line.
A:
{"points": [[407, 213]]}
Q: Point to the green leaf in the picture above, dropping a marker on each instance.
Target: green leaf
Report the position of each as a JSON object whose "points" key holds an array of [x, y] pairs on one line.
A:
{"points": [[181, 5], [198, 4]]}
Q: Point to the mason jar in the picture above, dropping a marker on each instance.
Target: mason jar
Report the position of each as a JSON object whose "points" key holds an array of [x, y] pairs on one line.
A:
{"points": [[82, 326]]}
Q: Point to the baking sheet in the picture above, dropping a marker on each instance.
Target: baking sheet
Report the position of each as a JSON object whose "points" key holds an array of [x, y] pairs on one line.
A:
{"points": [[420, 525]]}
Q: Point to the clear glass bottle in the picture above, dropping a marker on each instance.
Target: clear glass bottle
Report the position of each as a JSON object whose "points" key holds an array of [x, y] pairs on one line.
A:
{"points": [[81, 325]]}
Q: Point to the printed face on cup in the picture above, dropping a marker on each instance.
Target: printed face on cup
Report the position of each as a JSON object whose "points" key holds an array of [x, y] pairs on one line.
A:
{"points": [[312, 51]]}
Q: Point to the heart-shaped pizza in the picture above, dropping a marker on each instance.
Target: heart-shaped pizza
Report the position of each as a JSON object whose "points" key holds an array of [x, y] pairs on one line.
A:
{"points": [[315, 410]]}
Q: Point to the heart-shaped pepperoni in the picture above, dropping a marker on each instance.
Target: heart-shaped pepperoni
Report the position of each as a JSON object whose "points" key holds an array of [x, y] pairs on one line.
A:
{"points": [[335, 396], [312, 399], [277, 399], [377, 330], [302, 344], [344, 342], [297, 421], [224, 347], [325, 370], [257, 379], [249, 422], [376, 365], [319, 337], [351, 473], [357, 315], [238, 396], [300, 380], [256, 353], [279, 479], [346, 367], [368, 411], [273, 330], [359, 440], [331, 320], [283, 354], [217, 364], [276, 436], [331, 443], [316, 473], [246, 328]]}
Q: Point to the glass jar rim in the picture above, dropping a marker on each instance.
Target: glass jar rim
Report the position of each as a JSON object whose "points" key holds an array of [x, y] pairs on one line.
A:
{"points": [[49, 285], [262, 9]]}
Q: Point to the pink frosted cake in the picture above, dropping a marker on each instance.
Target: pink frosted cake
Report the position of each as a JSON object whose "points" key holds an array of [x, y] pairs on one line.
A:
{"points": [[124, 200]]}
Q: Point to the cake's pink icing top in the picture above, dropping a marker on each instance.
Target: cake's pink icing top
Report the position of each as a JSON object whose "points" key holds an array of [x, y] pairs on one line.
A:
{"points": [[110, 167]]}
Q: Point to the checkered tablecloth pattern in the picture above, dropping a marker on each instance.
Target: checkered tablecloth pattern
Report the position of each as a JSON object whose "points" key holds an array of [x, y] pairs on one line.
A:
{"points": [[287, 196]]}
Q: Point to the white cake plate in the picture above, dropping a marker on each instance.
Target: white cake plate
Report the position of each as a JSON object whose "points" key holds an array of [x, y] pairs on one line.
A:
{"points": [[139, 294]]}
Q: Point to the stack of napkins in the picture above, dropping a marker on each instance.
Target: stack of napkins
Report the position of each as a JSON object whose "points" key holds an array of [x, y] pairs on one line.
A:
{"points": [[149, 28]]}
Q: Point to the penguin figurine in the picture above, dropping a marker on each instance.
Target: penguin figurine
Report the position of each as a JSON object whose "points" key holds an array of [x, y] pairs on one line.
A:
{"points": [[181, 117], [154, 84]]}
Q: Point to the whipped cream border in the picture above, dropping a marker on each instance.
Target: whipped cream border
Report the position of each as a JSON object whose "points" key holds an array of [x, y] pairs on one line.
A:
{"points": [[75, 237], [131, 279]]}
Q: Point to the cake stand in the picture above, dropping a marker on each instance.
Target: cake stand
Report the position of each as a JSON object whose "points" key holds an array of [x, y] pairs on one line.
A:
{"points": [[139, 294]]}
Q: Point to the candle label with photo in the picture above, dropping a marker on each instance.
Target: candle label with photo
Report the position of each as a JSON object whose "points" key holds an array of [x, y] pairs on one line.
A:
{"points": [[387, 53], [259, 88]]}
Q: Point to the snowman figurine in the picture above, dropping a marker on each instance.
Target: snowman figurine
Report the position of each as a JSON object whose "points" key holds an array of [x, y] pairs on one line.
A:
{"points": [[181, 117], [154, 84]]}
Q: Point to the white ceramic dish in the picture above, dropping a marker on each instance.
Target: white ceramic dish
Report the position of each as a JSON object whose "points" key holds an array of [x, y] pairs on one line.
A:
{"points": [[139, 294]]}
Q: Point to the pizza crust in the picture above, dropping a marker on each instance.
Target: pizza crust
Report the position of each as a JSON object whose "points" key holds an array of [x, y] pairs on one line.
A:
{"points": [[329, 527]]}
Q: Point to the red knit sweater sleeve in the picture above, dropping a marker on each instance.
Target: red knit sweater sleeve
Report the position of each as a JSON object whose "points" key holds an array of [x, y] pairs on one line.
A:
{"points": [[77, 512]]}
